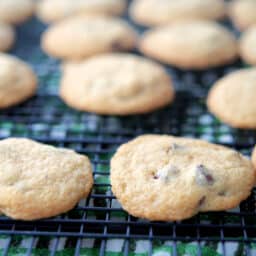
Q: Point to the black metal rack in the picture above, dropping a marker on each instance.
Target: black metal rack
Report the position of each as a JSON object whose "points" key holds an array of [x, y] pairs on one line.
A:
{"points": [[45, 118]]}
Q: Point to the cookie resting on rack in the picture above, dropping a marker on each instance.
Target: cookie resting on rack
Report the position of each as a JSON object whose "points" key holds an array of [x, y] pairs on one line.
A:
{"points": [[243, 13], [16, 11], [54, 10], [191, 45], [232, 99], [39, 181], [7, 36], [17, 81], [120, 84], [160, 12], [165, 178], [82, 37], [247, 46]]}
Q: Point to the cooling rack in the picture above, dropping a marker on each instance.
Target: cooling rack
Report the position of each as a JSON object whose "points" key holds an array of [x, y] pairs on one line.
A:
{"points": [[100, 218]]}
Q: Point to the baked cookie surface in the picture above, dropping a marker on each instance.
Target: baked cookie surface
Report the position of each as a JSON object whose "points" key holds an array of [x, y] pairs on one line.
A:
{"points": [[191, 45], [243, 13], [118, 84], [160, 12], [17, 81], [168, 178], [232, 99], [89, 35], [54, 10], [7, 36], [39, 181], [16, 11], [247, 46]]}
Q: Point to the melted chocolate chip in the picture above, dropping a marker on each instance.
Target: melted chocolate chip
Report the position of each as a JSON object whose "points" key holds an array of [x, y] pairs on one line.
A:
{"points": [[116, 46], [222, 193], [203, 176]]}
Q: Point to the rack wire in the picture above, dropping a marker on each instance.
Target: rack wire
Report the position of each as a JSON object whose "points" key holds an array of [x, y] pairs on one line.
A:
{"points": [[47, 119]]}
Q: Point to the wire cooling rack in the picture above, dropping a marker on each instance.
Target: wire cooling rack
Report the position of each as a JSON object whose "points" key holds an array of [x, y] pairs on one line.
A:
{"points": [[45, 118]]}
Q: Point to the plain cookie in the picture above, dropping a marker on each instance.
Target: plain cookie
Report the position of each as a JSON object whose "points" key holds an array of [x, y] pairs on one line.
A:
{"points": [[118, 84], [17, 81], [7, 37], [243, 13], [160, 12], [40, 181], [91, 35], [247, 46], [165, 178], [233, 100], [16, 11], [191, 45], [54, 10]]}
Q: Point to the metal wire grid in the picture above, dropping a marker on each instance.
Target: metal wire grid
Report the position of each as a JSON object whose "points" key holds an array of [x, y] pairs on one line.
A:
{"points": [[45, 118]]}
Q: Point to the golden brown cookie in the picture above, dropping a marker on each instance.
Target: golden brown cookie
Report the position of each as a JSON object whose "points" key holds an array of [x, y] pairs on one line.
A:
{"points": [[247, 46], [7, 36], [16, 11], [233, 100], [54, 10], [17, 81], [39, 181], [167, 178], [243, 13], [91, 35], [191, 45], [160, 12], [118, 84]]}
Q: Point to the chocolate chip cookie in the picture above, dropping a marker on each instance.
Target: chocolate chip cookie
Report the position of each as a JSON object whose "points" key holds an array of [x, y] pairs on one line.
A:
{"points": [[118, 84], [54, 10], [191, 45], [160, 12], [243, 13], [39, 181], [167, 178], [232, 99], [83, 37], [18, 82], [247, 46]]}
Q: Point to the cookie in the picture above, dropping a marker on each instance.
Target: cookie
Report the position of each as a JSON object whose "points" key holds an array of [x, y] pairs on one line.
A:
{"points": [[40, 181], [243, 13], [232, 99], [254, 157], [92, 35], [55, 10], [247, 46], [17, 81], [167, 178], [190, 45], [16, 11], [7, 36], [160, 12], [118, 84]]}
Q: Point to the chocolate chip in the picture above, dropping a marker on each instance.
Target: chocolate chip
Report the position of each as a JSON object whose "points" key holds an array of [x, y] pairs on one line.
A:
{"points": [[201, 201], [203, 176], [222, 193], [166, 173], [116, 46]]}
